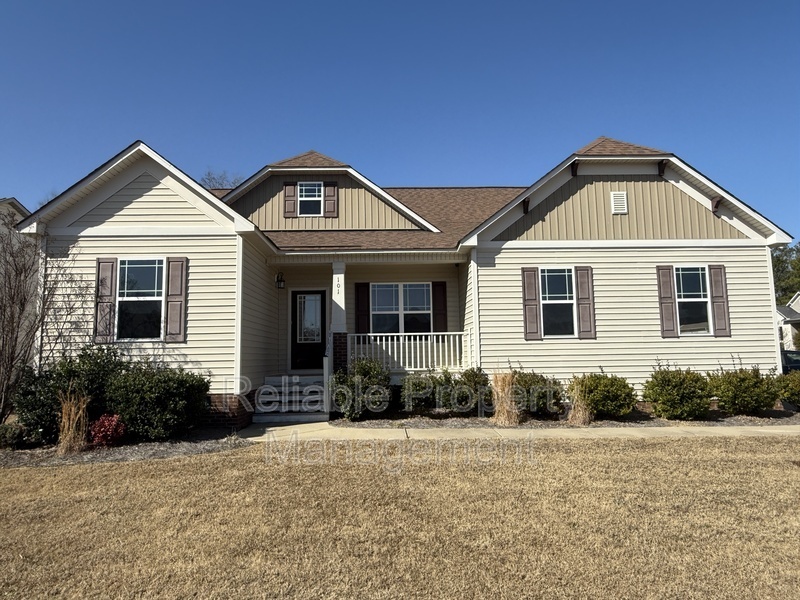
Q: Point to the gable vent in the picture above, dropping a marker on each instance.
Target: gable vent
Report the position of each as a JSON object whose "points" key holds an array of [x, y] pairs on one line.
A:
{"points": [[619, 203]]}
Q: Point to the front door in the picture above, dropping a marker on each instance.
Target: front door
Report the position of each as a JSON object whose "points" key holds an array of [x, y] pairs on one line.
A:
{"points": [[308, 331]]}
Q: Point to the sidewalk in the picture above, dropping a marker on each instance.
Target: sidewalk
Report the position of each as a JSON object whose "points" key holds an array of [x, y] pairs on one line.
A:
{"points": [[326, 431]]}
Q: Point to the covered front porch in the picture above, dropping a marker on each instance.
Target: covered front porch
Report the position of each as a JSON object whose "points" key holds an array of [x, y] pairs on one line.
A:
{"points": [[410, 315]]}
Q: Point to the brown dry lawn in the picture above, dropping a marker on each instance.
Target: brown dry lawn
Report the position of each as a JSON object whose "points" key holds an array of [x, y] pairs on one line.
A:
{"points": [[664, 518]]}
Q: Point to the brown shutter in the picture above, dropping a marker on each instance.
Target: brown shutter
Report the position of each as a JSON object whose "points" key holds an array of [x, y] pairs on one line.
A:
{"points": [[105, 301], [530, 303], [439, 305], [331, 199], [362, 308], [289, 200], [585, 300], [719, 301], [666, 301], [175, 322]]}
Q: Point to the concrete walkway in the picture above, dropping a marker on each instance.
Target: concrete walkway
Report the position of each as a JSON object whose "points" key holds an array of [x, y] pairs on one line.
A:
{"points": [[326, 431]]}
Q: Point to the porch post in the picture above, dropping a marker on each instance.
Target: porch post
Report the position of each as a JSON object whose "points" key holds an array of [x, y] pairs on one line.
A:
{"points": [[339, 317]]}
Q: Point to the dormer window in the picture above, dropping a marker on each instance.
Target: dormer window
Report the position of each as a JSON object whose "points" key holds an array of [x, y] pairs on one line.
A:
{"points": [[309, 196]]}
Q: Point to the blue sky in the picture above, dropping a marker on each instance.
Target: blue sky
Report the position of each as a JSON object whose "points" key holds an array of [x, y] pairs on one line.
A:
{"points": [[411, 93]]}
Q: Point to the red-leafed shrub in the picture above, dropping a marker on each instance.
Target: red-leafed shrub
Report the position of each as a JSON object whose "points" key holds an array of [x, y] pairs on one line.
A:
{"points": [[108, 430]]}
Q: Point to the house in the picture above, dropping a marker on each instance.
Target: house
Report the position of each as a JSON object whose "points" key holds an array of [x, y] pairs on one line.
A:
{"points": [[13, 207], [619, 256], [789, 323]]}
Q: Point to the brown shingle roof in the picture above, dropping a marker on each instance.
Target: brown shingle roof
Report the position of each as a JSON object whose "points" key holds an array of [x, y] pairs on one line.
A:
{"points": [[454, 211], [312, 158], [604, 146], [219, 192]]}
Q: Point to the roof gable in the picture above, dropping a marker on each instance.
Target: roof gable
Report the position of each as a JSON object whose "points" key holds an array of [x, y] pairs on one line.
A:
{"points": [[16, 206], [80, 198]]}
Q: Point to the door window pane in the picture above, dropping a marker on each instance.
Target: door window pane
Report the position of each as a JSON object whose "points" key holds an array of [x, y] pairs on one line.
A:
{"points": [[309, 318]]}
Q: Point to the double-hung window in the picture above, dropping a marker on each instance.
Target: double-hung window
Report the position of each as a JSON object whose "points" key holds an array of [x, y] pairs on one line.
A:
{"points": [[309, 197], [558, 302], [401, 308], [691, 291], [140, 301]]}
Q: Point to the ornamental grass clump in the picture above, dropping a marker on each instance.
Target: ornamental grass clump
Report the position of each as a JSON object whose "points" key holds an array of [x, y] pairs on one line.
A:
{"points": [[677, 394], [74, 421], [506, 411]]}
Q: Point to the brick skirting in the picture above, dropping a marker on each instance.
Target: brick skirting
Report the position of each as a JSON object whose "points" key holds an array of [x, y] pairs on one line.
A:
{"points": [[230, 410], [339, 351]]}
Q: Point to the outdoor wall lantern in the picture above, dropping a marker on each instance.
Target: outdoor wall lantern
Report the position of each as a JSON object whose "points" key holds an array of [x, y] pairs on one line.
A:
{"points": [[280, 282]]}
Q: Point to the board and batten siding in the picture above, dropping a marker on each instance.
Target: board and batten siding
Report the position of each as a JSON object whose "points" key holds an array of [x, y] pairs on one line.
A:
{"points": [[581, 210], [211, 298], [260, 322], [145, 200], [627, 312], [358, 207]]}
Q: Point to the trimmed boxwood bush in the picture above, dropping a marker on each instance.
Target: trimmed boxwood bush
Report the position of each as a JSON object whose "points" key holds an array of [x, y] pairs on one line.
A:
{"points": [[677, 394], [743, 391], [365, 385], [540, 395], [37, 406], [603, 395], [418, 391], [451, 391], [157, 403]]}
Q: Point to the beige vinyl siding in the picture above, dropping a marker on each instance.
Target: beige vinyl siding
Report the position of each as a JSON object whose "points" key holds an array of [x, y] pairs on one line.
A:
{"points": [[211, 298], [259, 338], [627, 312], [405, 274], [145, 201], [358, 207], [581, 210]]}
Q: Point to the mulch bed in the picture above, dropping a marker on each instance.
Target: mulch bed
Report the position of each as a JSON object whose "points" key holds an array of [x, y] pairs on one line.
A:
{"points": [[201, 441], [639, 417]]}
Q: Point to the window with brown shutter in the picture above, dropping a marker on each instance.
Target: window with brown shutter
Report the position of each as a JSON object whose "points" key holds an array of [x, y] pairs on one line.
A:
{"points": [[105, 301], [362, 308], [289, 199], [666, 301], [331, 200], [530, 303], [720, 311], [439, 301], [175, 321], [585, 303]]}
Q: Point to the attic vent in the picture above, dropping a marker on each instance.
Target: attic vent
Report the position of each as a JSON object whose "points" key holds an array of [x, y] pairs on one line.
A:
{"points": [[619, 203]]}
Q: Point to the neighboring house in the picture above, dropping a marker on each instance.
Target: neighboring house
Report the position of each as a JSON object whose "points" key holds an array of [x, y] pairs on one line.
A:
{"points": [[618, 257], [13, 206], [789, 323]]}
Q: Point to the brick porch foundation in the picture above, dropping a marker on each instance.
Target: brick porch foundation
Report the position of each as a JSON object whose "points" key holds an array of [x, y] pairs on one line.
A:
{"points": [[339, 351], [230, 410]]}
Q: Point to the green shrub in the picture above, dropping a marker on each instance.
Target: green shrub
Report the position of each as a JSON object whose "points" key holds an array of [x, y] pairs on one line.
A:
{"points": [[37, 406], [94, 368], [540, 395], [789, 387], [476, 381], [743, 391], [677, 394], [158, 403], [12, 435], [603, 395], [365, 385], [419, 391]]}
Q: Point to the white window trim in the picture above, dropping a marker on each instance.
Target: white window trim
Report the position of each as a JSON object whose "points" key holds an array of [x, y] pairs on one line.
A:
{"points": [[401, 306], [321, 199], [574, 303], [707, 300], [163, 260]]}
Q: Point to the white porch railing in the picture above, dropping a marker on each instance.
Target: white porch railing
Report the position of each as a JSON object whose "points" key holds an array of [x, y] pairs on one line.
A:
{"points": [[411, 351]]}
